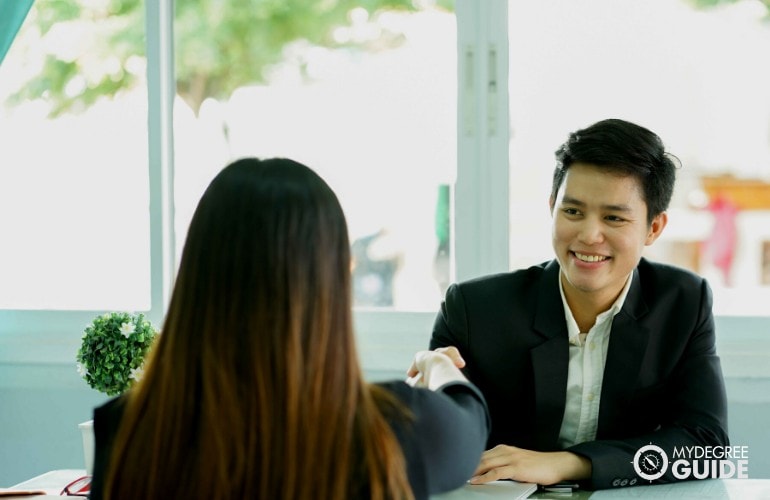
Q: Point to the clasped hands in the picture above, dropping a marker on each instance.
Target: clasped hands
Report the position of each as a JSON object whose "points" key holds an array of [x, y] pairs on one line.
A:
{"points": [[433, 368]]}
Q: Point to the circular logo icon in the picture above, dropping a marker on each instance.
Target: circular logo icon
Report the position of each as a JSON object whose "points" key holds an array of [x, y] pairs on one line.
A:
{"points": [[650, 462]]}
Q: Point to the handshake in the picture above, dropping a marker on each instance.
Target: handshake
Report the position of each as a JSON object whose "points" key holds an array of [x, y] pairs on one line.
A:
{"points": [[433, 369]]}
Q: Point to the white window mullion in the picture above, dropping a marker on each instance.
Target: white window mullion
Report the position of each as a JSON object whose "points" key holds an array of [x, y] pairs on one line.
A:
{"points": [[161, 89], [481, 193], [387, 340]]}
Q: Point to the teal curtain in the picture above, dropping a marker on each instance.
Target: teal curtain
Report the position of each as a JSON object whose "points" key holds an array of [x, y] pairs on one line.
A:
{"points": [[12, 14]]}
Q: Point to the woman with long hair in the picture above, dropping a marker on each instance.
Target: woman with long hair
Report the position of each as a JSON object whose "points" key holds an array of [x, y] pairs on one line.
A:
{"points": [[254, 388]]}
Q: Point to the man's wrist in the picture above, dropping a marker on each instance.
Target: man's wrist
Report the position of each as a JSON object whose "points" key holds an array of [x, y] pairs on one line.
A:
{"points": [[575, 467]]}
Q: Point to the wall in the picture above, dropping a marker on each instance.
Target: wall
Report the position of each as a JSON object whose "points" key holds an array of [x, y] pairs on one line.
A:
{"points": [[40, 409]]}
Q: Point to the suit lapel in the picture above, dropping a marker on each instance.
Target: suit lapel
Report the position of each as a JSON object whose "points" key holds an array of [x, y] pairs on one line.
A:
{"points": [[550, 359], [625, 354]]}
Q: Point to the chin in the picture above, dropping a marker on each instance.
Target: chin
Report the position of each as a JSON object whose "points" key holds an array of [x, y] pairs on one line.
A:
{"points": [[584, 284]]}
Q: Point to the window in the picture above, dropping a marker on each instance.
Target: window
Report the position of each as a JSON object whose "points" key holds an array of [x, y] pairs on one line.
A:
{"points": [[73, 165], [94, 212], [469, 130], [367, 99]]}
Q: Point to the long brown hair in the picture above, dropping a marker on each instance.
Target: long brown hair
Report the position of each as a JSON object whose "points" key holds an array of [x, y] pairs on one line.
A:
{"points": [[253, 389]]}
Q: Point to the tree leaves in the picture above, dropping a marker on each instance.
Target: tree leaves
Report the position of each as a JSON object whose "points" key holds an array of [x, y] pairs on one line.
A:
{"points": [[219, 46], [705, 4]]}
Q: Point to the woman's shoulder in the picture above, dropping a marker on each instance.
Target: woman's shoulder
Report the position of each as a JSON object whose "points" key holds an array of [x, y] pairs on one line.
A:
{"points": [[111, 408], [108, 415]]}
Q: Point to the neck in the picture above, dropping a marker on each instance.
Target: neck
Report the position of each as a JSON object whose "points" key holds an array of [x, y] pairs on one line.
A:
{"points": [[586, 306]]}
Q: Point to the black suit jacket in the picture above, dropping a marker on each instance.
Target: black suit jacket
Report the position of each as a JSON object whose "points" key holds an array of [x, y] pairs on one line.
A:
{"points": [[662, 379]]}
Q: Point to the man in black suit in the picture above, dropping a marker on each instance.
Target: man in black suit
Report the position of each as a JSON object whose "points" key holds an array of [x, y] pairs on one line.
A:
{"points": [[587, 358]]}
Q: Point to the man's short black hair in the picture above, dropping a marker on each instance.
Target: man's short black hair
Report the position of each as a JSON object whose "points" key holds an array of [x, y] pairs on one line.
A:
{"points": [[625, 148]]}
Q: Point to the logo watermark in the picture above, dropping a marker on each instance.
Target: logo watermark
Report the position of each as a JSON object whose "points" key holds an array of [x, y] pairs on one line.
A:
{"points": [[651, 462]]}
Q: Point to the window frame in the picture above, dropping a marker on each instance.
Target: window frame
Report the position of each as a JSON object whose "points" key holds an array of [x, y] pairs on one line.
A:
{"points": [[387, 339], [52, 337]]}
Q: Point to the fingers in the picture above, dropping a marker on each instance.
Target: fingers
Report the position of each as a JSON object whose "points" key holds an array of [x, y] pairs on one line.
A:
{"points": [[420, 357], [416, 380], [498, 456], [412, 370], [439, 365], [416, 372], [501, 462], [454, 354], [497, 463], [493, 475], [414, 375], [528, 466], [418, 363]]}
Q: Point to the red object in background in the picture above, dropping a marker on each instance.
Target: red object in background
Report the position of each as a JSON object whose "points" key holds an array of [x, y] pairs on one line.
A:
{"points": [[720, 247], [78, 487]]}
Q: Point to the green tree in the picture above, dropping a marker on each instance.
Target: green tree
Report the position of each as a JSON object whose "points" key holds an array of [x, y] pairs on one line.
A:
{"points": [[704, 4], [220, 44]]}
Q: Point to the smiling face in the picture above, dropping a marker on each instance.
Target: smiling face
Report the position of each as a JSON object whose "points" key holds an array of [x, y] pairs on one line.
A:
{"points": [[599, 231]]}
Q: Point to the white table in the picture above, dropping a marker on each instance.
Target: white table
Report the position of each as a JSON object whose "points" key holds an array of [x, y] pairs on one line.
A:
{"points": [[509, 490], [54, 481], [51, 482], [711, 489]]}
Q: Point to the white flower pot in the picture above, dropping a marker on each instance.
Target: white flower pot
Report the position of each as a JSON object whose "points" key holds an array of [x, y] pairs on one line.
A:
{"points": [[87, 431]]}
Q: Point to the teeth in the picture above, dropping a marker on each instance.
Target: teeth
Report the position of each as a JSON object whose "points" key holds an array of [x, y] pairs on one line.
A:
{"points": [[590, 258]]}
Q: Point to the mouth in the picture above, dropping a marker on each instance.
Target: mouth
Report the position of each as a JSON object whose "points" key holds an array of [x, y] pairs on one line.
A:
{"points": [[591, 259]]}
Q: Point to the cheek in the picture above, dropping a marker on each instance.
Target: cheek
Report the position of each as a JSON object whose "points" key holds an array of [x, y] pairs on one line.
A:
{"points": [[630, 243], [560, 231]]}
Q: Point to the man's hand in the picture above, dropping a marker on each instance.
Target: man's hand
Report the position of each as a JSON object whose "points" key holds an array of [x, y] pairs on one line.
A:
{"points": [[433, 369], [527, 466], [451, 352]]}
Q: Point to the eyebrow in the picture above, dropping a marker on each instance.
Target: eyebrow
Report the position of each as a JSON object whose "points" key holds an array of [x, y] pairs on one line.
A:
{"points": [[614, 208]]}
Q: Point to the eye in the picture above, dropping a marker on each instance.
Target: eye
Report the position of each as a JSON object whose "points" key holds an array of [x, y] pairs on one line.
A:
{"points": [[570, 211], [615, 218]]}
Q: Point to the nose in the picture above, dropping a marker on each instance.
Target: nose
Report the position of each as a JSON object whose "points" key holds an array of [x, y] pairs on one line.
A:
{"points": [[591, 231]]}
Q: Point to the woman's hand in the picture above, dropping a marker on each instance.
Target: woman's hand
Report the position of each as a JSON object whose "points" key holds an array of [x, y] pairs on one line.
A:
{"points": [[433, 369]]}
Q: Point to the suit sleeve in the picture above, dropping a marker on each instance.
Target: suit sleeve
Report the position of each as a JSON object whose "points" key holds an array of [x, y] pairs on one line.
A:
{"points": [[451, 325], [695, 412], [448, 433]]}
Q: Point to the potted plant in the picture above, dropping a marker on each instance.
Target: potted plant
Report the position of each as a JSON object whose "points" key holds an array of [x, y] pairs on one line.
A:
{"points": [[111, 359]]}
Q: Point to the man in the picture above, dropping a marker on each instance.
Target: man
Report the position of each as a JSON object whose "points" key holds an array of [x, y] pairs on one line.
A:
{"points": [[587, 358]]}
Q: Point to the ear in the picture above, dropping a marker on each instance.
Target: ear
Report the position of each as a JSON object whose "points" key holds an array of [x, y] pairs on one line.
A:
{"points": [[656, 227], [551, 203]]}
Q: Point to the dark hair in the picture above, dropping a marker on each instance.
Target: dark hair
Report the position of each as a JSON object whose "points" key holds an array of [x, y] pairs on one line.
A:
{"points": [[253, 389], [626, 148]]}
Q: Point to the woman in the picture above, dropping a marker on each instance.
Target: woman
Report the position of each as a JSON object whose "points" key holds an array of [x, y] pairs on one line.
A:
{"points": [[253, 390]]}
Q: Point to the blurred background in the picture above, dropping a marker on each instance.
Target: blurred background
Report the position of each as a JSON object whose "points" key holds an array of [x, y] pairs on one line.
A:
{"points": [[367, 96]]}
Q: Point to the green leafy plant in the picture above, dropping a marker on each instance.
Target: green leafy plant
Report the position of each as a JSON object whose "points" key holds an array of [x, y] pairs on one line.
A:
{"points": [[111, 356]]}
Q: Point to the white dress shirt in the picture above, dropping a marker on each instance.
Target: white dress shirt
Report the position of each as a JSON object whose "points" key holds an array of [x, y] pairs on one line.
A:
{"points": [[587, 356]]}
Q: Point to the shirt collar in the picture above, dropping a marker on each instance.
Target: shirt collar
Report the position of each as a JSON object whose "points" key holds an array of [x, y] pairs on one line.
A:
{"points": [[572, 328]]}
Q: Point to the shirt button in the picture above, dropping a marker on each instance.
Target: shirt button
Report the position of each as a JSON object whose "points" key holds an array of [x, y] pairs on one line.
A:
{"points": [[591, 345], [590, 396]]}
